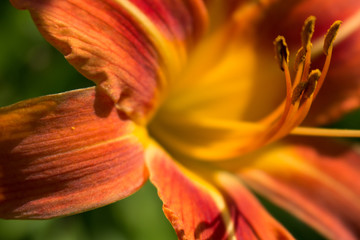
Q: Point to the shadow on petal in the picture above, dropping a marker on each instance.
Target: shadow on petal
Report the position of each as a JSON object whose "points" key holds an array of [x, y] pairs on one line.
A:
{"points": [[66, 157]]}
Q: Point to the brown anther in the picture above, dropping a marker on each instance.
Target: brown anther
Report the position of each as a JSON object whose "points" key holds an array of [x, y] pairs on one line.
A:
{"points": [[281, 51], [311, 83], [299, 89], [300, 57], [330, 36], [307, 31]]}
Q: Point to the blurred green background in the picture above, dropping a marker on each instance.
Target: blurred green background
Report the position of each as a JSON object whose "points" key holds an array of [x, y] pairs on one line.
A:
{"points": [[30, 67]]}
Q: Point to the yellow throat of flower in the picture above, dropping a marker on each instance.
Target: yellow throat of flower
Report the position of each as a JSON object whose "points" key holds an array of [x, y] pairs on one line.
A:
{"points": [[207, 138]]}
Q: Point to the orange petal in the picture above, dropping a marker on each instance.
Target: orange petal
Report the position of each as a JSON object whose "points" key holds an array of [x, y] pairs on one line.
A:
{"points": [[66, 153], [130, 48], [220, 11], [247, 213], [316, 180], [210, 204]]}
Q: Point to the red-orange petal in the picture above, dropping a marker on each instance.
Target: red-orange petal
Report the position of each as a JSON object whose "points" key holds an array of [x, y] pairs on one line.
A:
{"points": [[247, 213], [209, 205], [129, 48], [316, 180], [66, 153], [286, 18]]}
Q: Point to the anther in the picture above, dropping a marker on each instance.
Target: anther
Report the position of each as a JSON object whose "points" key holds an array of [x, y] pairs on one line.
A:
{"points": [[307, 31], [281, 51], [298, 91], [300, 57], [327, 48], [330, 36], [311, 83]]}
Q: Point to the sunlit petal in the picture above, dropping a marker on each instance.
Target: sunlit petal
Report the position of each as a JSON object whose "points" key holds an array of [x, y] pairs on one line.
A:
{"points": [[67, 153], [131, 49]]}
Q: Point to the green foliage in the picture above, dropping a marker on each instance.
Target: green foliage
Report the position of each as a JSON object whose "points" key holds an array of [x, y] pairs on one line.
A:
{"points": [[138, 217]]}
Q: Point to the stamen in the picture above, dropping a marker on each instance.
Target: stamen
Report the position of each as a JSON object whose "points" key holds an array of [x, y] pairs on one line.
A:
{"points": [[281, 51], [325, 132], [306, 99], [307, 62], [330, 36], [311, 83], [233, 136], [298, 102], [298, 91], [282, 55], [327, 48], [307, 32], [300, 57], [306, 35]]}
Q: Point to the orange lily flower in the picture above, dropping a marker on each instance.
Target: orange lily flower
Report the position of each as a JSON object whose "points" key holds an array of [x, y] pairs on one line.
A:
{"points": [[188, 94]]}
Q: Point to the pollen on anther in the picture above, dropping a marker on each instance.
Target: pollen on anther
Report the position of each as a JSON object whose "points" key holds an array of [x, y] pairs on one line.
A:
{"points": [[281, 51], [298, 91], [311, 83], [330, 36], [307, 31], [300, 57]]}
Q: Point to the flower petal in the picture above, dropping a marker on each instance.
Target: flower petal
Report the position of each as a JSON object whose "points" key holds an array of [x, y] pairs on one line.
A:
{"points": [[221, 10], [130, 48], [287, 18], [210, 204], [246, 211], [224, 68], [66, 153], [317, 180]]}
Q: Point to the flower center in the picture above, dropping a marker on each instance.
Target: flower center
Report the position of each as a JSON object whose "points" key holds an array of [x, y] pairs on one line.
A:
{"points": [[207, 138]]}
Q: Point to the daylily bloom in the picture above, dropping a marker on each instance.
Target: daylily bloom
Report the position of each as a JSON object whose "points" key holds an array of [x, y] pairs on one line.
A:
{"points": [[188, 94]]}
